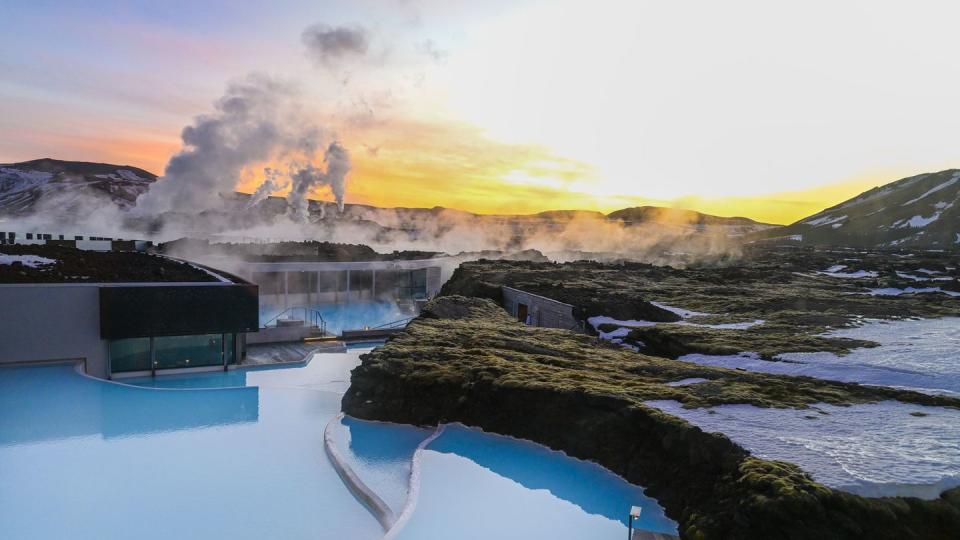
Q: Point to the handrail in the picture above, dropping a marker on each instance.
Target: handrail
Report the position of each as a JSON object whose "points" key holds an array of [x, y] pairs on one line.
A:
{"points": [[309, 315], [392, 324]]}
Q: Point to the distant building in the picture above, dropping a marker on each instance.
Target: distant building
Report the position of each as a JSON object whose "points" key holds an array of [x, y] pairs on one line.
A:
{"points": [[79, 241], [536, 310], [307, 283]]}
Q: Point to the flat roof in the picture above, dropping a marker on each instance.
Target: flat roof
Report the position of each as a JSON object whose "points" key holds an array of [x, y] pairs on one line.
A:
{"points": [[287, 251], [62, 264]]}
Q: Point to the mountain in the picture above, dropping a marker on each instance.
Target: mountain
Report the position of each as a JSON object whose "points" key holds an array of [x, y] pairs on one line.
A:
{"points": [[65, 187], [916, 212], [66, 184], [680, 217]]}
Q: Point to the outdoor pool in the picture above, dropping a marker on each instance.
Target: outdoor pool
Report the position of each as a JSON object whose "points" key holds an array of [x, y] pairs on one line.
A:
{"points": [[240, 455], [347, 316]]}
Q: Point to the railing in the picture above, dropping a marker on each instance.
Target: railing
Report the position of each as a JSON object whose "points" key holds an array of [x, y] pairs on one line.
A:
{"points": [[311, 317], [395, 324]]}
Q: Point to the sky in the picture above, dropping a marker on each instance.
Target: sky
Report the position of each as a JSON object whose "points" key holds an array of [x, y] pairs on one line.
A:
{"points": [[768, 110]]}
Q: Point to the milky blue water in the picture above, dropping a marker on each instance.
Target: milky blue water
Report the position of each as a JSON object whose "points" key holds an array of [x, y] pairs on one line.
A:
{"points": [[487, 486], [240, 455], [385, 469], [348, 316], [86, 459]]}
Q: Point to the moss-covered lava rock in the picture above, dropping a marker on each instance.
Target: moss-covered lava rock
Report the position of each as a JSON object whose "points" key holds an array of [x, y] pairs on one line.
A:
{"points": [[466, 360]]}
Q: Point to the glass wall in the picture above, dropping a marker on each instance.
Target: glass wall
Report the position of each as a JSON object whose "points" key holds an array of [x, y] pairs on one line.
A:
{"points": [[130, 354], [188, 351], [165, 352], [412, 284]]}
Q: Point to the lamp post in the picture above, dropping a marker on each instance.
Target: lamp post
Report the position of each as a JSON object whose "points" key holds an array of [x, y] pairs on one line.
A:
{"points": [[634, 514]]}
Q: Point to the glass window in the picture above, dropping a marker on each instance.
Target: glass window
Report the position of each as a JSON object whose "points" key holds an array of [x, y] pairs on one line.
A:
{"points": [[229, 347], [188, 351], [330, 281], [130, 354]]}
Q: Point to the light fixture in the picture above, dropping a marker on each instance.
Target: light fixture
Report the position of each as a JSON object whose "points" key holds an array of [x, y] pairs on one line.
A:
{"points": [[634, 514]]}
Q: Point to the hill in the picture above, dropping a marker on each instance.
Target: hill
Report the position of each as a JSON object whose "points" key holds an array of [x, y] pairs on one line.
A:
{"points": [[678, 216], [65, 185], [916, 212], [59, 185]]}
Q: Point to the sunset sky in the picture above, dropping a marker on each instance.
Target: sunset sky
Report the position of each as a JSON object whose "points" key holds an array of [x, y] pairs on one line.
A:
{"points": [[763, 109]]}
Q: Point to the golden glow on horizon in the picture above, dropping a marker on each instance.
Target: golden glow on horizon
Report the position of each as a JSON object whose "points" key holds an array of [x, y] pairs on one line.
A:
{"points": [[455, 166]]}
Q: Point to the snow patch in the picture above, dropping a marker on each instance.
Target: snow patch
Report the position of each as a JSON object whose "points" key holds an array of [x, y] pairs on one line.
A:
{"points": [[944, 185], [875, 450], [33, 261], [727, 326], [618, 333], [825, 220], [685, 382], [918, 221], [849, 275], [928, 277], [601, 319], [913, 354], [683, 313], [892, 291]]}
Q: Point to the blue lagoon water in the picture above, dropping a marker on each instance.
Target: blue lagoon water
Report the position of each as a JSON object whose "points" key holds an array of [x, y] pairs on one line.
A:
{"points": [[240, 455], [81, 458], [486, 486], [347, 316]]}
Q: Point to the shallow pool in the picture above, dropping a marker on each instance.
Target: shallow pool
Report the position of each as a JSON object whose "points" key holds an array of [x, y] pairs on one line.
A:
{"points": [[239, 454], [348, 316], [486, 486]]}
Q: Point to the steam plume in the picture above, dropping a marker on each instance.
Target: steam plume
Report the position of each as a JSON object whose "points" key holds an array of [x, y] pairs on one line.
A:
{"points": [[273, 181], [257, 120], [308, 178]]}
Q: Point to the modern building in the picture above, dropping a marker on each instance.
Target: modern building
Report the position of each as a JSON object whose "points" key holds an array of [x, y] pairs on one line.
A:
{"points": [[306, 283], [121, 313]]}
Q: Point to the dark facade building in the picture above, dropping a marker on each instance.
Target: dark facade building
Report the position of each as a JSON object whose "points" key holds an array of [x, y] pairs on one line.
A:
{"points": [[196, 318]]}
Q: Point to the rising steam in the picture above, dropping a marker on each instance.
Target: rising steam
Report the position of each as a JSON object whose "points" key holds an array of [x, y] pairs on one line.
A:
{"points": [[257, 120], [308, 178]]}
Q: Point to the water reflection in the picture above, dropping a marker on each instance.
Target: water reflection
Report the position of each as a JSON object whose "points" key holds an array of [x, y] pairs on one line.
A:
{"points": [[534, 492], [70, 406]]}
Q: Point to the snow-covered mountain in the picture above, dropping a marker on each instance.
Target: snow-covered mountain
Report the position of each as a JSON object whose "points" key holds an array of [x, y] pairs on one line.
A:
{"points": [[62, 185], [921, 211]]}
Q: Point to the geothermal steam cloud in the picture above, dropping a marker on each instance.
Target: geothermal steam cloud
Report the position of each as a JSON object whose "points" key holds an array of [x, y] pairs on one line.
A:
{"points": [[310, 177], [257, 120]]}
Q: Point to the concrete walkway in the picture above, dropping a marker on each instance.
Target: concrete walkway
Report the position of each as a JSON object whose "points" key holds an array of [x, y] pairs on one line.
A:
{"points": [[647, 535], [287, 353]]}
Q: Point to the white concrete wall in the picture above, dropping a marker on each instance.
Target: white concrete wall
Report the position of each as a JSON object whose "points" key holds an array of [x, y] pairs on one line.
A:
{"points": [[52, 322]]}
